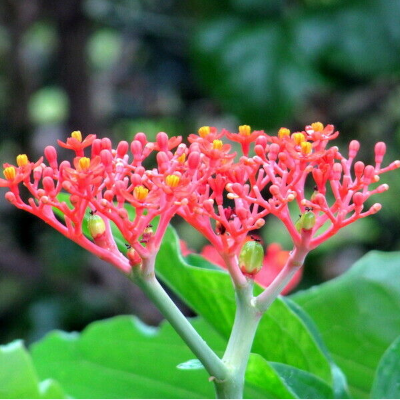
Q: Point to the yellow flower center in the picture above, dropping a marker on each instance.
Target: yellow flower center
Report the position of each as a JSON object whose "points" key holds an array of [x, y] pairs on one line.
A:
{"points": [[217, 144], [182, 158], [204, 131], [306, 148], [140, 192], [244, 130], [84, 163], [317, 126], [22, 160], [283, 132], [9, 173], [172, 180], [77, 135], [298, 138]]}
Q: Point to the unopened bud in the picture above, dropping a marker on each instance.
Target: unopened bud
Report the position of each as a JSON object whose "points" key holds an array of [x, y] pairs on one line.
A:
{"points": [[251, 257]]}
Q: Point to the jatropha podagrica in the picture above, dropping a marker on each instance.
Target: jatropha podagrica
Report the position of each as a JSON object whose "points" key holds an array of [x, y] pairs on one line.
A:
{"points": [[223, 195]]}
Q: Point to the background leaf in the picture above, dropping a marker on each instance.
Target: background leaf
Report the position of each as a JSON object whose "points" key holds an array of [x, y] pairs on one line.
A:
{"points": [[358, 315], [387, 379], [18, 378]]}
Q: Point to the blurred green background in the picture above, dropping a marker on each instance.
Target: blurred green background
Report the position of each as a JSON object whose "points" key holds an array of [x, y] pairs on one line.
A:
{"points": [[118, 67]]}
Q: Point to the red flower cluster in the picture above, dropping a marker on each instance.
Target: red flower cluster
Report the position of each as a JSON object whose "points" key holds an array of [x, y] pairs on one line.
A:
{"points": [[223, 196]]}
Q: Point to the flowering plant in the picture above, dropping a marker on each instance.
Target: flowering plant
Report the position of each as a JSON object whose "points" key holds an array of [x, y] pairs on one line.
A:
{"points": [[113, 203]]}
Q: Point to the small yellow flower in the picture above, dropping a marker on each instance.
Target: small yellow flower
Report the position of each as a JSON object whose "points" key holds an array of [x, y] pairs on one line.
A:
{"points": [[84, 163], [22, 160], [298, 138], [172, 180], [217, 144], [283, 132], [204, 131], [9, 173], [77, 135], [317, 126], [140, 192], [244, 130], [306, 148]]}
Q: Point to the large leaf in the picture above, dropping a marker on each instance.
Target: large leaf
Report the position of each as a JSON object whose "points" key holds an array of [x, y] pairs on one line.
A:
{"points": [[18, 378], [387, 379], [300, 384], [358, 315], [283, 336], [122, 358]]}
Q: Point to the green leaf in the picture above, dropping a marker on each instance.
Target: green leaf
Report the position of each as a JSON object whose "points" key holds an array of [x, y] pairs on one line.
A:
{"points": [[18, 378], [282, 336], [123, 358], [120, 358], [358, 316], [17, 374], [387, 379], [304, 384], [50, 389]]}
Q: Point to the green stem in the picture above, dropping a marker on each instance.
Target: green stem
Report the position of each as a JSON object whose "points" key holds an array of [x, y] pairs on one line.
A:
{"points": [[239, 346], [211, 362]]}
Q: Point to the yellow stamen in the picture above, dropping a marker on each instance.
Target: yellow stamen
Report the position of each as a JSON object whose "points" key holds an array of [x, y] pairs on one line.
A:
{"points": [[244, 130], [182, 158], [317, 126], [204, 131], [84, 163], [298, 138], [283, 132], [306, 148], [172, 180], [77, 135], [9, 173], [217, 144], [140, 192], [22, 160]]}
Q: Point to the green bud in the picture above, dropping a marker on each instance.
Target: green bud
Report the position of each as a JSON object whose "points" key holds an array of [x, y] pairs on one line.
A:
{"points": [[251, 257], [96, 226]]}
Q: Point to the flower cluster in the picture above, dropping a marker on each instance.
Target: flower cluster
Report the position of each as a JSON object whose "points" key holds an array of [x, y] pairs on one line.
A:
{"points": [[223, 195]]}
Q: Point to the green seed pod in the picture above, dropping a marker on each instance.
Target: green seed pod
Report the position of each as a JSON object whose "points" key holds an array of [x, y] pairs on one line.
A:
{"points": [[96, 226], [308, 220], [299, 223], [251, 257]]}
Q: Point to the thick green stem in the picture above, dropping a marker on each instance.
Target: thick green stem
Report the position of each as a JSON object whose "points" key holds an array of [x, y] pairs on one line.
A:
{"points": [[239, 346], [211, 362]]}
